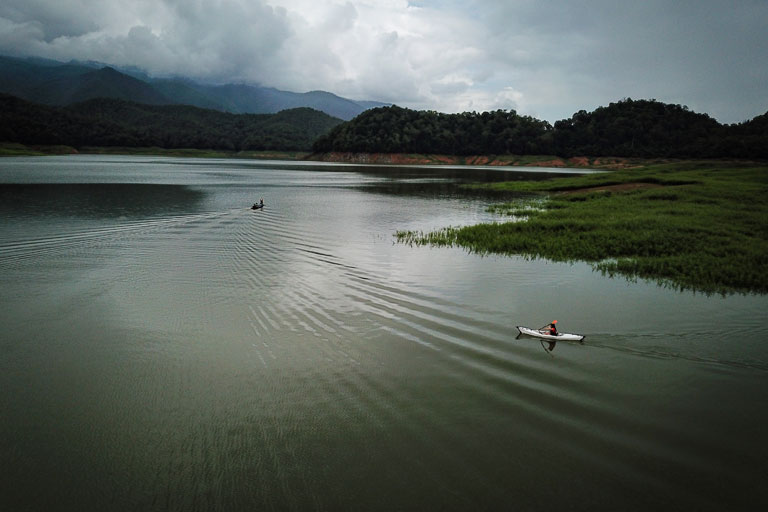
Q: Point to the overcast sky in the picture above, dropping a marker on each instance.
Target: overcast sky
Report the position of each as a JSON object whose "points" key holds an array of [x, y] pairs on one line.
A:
{"points": [[545, 58]]}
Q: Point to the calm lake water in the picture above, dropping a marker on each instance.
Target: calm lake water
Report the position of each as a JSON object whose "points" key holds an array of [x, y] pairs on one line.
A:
{"points": [[163, 347]]}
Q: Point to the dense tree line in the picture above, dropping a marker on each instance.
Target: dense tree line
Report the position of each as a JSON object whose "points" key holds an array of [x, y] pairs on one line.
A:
{"points": [[638, 129], [400, 130], [111, 122], [628, 128]]}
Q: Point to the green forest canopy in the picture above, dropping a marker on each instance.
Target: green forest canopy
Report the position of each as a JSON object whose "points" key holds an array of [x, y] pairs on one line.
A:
{"points": [[112, 122], [629, 128]]}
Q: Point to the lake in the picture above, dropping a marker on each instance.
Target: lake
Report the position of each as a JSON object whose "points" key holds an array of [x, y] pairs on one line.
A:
{"points": [[164, 347]]}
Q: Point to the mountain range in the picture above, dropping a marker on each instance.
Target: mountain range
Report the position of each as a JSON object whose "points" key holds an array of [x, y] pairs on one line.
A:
{"points": [[56, 83]]}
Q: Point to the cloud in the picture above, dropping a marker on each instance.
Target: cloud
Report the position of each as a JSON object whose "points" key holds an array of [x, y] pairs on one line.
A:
{"points": [[547, 58], [696, 52], [53, 20], [213, 39]]}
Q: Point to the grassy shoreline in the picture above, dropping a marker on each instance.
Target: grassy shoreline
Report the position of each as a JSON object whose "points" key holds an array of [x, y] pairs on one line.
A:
{"points": [[699, 226]]}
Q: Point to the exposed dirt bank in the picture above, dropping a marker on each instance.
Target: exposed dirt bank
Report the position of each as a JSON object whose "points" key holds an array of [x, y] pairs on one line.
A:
{"points": [[492, 160]]}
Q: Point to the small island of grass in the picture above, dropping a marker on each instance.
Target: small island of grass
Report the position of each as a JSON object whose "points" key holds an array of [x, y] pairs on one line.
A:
{"points": [[694, 225]]}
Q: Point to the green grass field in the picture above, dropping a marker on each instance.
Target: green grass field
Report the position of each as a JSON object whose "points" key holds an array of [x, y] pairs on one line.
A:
{"points": [[698, 225]]}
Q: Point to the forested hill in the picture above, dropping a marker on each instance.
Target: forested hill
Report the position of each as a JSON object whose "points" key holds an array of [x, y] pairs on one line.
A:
{"points": [[112, 122], [400, 130], [628, 128]]}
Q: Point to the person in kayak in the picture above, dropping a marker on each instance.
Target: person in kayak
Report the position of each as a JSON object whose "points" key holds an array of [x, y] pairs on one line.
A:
{"points": [[552, 328]]}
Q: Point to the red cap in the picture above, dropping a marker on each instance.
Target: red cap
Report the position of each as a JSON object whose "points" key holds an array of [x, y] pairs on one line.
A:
{"points": [[554, 321]]}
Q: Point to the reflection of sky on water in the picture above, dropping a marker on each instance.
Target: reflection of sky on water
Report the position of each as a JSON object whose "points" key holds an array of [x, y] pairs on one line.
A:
{"points": [[203, 320]]}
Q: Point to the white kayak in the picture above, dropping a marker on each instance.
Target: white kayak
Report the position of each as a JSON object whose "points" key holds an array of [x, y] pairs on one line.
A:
{"points": [[544, 334]]}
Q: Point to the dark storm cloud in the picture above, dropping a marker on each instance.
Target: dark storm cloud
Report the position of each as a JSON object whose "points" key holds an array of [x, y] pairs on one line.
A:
{"points": [[50, 19], [547, 58], [701, 53], [233, 40]]}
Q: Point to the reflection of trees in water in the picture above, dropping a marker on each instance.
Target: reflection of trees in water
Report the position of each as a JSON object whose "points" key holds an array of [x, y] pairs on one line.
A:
{"points": [[442, 182], [98, 200], [464, 174], [420, 188]]}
